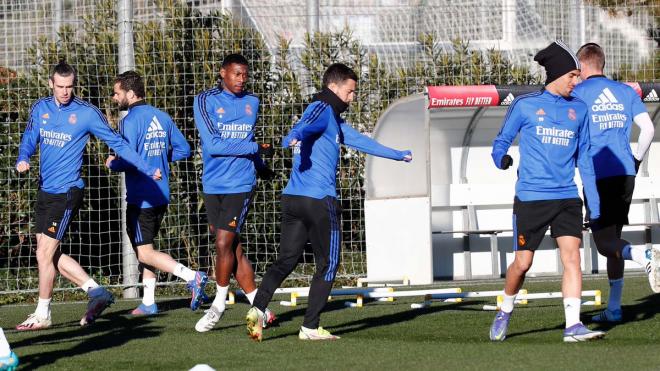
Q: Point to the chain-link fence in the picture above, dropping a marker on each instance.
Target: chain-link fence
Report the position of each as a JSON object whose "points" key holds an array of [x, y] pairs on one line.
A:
{"points": [[397, 46]]}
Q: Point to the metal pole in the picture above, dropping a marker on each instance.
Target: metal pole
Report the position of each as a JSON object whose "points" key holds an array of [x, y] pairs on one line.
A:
{"points": [[312, 16], [130, 272], [58, 9]]}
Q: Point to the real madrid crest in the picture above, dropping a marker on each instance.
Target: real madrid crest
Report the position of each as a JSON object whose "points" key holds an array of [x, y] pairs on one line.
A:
{"points": [[73, 119]]}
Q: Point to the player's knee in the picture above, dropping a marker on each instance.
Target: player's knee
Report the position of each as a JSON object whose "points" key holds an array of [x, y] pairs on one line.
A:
{"points": [[522, 265]]}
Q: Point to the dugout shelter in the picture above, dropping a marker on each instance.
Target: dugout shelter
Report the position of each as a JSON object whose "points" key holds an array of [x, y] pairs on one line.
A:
{"points": [[448, 213]]}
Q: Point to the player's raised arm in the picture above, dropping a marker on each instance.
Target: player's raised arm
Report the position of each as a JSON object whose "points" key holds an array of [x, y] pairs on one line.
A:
{"points": [[180, 146], [312, 123], [211, 139], [510, 128], [115, 163], [28, 141], [363, 143], [102, 130]]}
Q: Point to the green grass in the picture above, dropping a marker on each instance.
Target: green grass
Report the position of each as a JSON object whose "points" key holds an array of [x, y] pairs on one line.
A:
{"points": [[380, 335]]}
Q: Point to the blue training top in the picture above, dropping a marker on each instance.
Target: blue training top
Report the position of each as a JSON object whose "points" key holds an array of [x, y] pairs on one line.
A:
{"points": [[226, 127], [62, 132], [155, 137], [319, 132], [554, 137], [612, 107]]}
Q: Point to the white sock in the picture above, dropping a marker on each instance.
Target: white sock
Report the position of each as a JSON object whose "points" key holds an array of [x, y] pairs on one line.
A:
{"points": [[220, 297], [5, 350], [149, 291], [184, 272], [251, 296], [638, 254], [43, 308], [616, 289], [572, 311], [507, 302], [89, 284]]}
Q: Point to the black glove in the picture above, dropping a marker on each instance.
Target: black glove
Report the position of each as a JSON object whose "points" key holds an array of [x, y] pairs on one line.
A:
{"points": [[506, 162], [266, 150], [265, 173], [637, 164]]}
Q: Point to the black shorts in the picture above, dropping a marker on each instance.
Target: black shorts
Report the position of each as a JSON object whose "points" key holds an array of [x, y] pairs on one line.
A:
{"points": [[615, 194], [55, 211], [142, 225], [531, 220], [228, 211]]}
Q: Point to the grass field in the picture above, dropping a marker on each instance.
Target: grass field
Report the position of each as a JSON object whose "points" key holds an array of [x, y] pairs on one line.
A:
{"points": [[450, 336]]}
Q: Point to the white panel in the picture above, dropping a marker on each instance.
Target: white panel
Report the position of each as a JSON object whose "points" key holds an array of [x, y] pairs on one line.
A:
{"points": [[398, 233]]}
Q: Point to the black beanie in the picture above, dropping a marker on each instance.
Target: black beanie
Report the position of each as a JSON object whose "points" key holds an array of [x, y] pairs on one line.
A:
{"points": [[558, 60]]}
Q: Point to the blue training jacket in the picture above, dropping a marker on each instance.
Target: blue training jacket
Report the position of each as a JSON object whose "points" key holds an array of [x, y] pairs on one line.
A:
{"points": [[226, 127], [155, 137], [62, 131], [612, 107], [319, 132], [554, 137]]}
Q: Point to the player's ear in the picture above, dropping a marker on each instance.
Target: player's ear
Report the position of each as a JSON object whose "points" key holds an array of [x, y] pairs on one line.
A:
{"points": [[223, 72], [50, 83]]}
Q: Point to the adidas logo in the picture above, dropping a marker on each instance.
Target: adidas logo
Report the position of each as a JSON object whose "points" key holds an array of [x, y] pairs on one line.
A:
{"points": [[155, 129], [508, 100], [233, 223], [606, 101], [652, 97]]}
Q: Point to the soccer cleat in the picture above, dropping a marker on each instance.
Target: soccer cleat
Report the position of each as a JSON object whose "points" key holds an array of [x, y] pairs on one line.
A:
{"points": [[99, 299], [578, 332], [608, 316], [34, 322], [500, 325], [208, 321], [316, 334], [653, 269], [197, 287], [9, 363], [145, 310], [255, 323], [270, 318]]}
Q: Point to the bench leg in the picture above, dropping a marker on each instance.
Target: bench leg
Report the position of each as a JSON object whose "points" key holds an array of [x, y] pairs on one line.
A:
{"points": [[494, 256]]}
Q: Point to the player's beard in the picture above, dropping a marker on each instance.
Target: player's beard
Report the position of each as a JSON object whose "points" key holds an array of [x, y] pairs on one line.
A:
{"points": [[123, 105]]}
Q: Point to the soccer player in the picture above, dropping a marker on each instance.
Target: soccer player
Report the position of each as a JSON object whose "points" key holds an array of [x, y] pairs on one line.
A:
{"points": [[613, 107], [554, 137], [310, 210], [60, 126], [155, 137], [225, 117]]}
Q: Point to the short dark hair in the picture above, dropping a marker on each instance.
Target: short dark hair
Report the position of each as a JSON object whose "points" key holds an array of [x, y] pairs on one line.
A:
{"points": [[63, 69], [338, 73], [592, 54], [234, 58], [131, 80]]}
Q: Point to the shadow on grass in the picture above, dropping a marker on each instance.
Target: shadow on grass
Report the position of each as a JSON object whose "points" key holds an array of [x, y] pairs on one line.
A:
{"points": [[371, 322], [645, 309], [110, 331]]}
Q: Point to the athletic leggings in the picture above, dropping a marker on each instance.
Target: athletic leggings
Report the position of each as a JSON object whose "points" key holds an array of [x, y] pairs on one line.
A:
{"points": [[306, 219]]}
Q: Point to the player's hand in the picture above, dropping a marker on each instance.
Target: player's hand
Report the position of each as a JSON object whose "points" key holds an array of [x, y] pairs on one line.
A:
{"points": [[23, 166], [407, 156], [157, 175], [591, 223], [637, 164], [506, 162], [293, 142], [266, 150], [109, 160], [265, 173]]}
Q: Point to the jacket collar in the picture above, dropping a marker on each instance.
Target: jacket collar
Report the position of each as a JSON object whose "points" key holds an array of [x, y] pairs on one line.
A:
{"points": [[327, 96]]}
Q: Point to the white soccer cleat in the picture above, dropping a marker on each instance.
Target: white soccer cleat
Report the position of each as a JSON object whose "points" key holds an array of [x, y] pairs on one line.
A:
{"points": [[653, 268], [316, 334], [34, 322], [208, 321]]}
